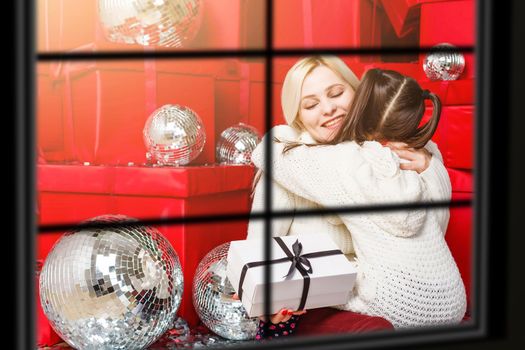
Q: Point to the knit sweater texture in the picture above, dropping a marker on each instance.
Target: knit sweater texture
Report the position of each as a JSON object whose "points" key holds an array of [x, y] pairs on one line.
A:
{"points": [[406, 272], [284, 200]]}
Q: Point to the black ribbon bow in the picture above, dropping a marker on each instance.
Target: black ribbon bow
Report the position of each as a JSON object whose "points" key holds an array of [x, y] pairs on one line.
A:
{"points": [[298, 260]]}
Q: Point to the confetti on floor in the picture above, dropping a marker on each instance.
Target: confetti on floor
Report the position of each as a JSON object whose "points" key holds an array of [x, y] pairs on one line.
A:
{"points": [[180, 336]]}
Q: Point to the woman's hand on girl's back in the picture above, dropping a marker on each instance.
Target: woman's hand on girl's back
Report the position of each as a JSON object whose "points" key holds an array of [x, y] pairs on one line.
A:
{"points": [[415, 159]]}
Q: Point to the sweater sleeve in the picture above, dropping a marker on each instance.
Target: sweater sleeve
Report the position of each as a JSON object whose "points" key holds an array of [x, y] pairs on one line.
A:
{"points": [[281, 201], [349, 175], [436, 176]]}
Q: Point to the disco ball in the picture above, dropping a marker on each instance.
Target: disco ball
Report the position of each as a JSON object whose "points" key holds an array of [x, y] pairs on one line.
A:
{"points": [[173, 135], [166, 23], [445, 64], [111, 287], [236, 144], [212, 298]]}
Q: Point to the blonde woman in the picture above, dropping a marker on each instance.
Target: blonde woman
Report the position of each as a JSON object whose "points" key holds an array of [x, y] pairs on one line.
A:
{"points": [[316, 96]]}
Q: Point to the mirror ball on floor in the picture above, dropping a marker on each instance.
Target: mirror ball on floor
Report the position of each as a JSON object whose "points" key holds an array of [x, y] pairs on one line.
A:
{"points": [[111, 286], [212, 298]]}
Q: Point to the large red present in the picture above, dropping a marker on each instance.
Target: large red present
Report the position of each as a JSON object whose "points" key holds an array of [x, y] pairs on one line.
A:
{"points": [[64, 25], [303, 23], [105, 106], [69, 194], [51, 139], [459, 235], [450, 22], [437, 21], [240, 95], [455, 136]]}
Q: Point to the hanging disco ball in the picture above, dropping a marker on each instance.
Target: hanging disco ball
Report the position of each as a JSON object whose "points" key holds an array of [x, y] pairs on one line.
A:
{"points": [[166, 23], [212, 297], [236, 144], [113, 287], [173, 135], [444, 64]]}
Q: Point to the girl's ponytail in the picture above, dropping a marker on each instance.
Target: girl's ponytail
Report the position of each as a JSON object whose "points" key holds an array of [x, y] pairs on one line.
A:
{"points": [[425, 133]]}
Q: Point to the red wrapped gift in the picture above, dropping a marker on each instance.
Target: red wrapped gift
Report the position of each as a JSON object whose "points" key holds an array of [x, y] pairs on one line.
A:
{"points": [[65, 25], [240, 95], [70, 194], [106, 104], [439, 20], [455, 135], [450, 22], [455, 92], [226, 24], [51, 140], [303, 23], [459, 234]]}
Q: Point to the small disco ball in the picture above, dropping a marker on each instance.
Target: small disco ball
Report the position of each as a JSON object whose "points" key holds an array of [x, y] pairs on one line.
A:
{"points": [[236, 144], [444, 64], [174, 135], [212, 297], [113, 287], [165, 23]]}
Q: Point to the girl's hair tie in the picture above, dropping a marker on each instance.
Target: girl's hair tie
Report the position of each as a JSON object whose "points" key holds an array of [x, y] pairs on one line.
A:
{"points": [[425, 94]]}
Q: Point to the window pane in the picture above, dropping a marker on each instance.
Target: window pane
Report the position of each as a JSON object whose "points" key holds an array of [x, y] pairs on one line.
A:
{"points": [[372, 24], [150, 139], [125, 25], [325, 173], [421, 280]]}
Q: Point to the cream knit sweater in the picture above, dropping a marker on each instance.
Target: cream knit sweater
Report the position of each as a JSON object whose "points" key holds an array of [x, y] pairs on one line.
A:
{"points": [[284, 200], [406, 272]]}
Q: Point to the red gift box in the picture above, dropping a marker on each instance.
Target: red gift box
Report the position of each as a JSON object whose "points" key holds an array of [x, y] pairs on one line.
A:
{"points": [[303, 23], [450, 22], [65, 25], [438, 21], [459, 235], [105, 106], [455, 136], [69, 194], [240, 95], [50, 140], [226, 24]]}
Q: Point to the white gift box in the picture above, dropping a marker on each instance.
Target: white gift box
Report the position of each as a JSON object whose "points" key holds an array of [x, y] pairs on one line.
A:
{"points": [[330, 282]]}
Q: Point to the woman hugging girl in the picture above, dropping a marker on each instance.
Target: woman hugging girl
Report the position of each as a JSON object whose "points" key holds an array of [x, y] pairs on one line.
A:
{"points": [[406, 273]]}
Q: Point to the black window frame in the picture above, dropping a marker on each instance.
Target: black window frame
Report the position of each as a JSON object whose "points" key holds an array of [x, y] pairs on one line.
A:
{"points": [[487, 132]]}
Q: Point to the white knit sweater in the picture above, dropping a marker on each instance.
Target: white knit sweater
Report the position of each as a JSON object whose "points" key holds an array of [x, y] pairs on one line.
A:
{"points": [[284, 200], [406, 272]]}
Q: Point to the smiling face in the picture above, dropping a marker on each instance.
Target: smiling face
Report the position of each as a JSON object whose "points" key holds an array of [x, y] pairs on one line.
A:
{"points": [[325, 100]]}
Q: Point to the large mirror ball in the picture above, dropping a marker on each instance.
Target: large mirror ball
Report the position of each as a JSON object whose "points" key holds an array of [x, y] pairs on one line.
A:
{"points": [[112, 285]]}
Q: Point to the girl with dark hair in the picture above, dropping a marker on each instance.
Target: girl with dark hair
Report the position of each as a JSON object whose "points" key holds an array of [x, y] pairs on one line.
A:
{"points": [[389, 107], [406, 273]]}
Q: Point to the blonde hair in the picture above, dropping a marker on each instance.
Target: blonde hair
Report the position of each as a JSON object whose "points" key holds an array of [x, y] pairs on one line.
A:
{"points": [[293, 82]]}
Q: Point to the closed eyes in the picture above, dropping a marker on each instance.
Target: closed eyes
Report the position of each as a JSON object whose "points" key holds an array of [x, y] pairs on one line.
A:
{"points": [[330, 95]]}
